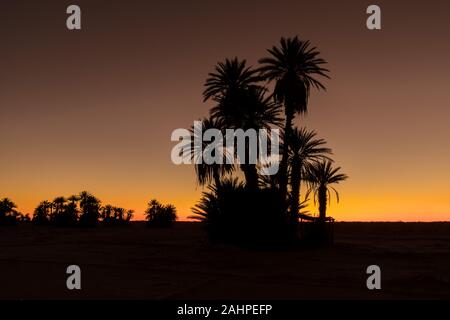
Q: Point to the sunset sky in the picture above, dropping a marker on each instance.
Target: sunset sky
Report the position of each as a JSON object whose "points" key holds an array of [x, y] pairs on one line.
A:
{"points": [[94, 109]]}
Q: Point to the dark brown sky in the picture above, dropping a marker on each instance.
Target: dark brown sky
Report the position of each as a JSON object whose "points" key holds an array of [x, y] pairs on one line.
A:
{"points": [[94, 109]]}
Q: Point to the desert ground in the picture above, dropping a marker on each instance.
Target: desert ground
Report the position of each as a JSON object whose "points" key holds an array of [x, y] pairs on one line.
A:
{"points": [[136, 262]]}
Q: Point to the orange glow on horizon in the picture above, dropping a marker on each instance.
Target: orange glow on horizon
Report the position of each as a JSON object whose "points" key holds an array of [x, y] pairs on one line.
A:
{"points": [[404, 208]]}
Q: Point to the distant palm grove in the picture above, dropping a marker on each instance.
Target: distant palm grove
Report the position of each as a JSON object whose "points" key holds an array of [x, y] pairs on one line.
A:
{"points": [[239, 204], [84, 210]]}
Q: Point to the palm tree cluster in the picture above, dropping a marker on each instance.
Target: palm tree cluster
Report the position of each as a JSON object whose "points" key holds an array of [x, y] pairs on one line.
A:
{"points": [[243, 99], [9, 215], [82, 209], [159, 215], [111, 215]]}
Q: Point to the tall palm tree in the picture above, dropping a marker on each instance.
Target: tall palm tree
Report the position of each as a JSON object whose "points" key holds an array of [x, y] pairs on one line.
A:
{"points": [[294, 67], [234, 87], [303, 148], [320, 176]]}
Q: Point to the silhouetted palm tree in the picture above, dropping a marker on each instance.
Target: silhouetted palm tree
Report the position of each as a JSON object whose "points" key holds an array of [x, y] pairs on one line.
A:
{"points": [[303, 148], [71, 213], [209, 207], [51, 207], [64, 214], [119, 213], [319, 176], [269, 182], [58, 205], [111, 215], [90, 207], [8, 212], [207, 173], [229, 80], [24, 218], [42, 213], [73, 199], [7, 207], [294, 67], [129, 215], [253, 111], [106, 212], [241, 104], [153, 207], [159, 215]]}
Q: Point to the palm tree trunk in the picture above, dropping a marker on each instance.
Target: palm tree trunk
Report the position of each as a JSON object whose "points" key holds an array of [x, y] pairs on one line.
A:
{"points": [[251, 176], [250, 171], [322, 203], [216, 177], [283, 170], [295, 192]]}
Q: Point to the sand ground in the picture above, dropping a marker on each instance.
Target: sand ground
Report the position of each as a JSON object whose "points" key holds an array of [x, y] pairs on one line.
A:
{"points": [[140, 263]]}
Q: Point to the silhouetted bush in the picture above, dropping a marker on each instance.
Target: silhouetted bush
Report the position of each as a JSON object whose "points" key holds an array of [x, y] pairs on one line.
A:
{"points": [[160, 216], [238, 215]]}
